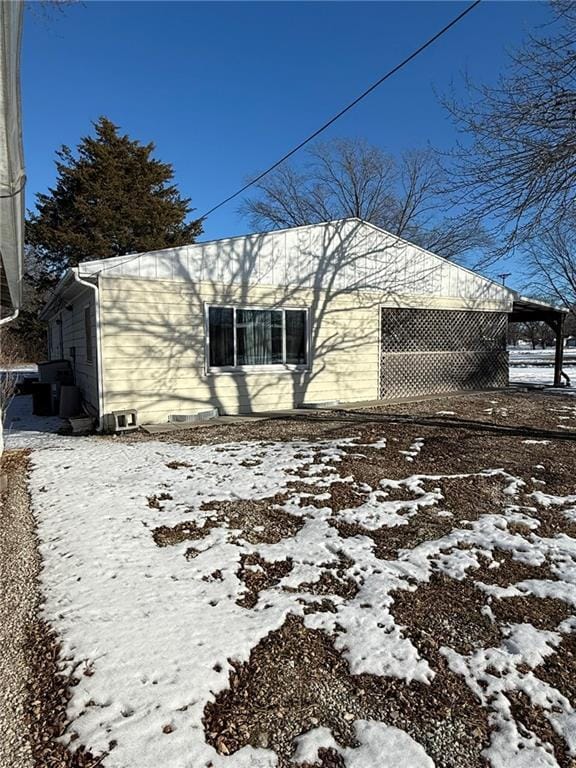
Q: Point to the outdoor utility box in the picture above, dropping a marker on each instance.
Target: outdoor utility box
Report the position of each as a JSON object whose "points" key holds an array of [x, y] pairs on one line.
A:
{"points": [[69, 401], [42, 399], [55, 371], [24, 386]]}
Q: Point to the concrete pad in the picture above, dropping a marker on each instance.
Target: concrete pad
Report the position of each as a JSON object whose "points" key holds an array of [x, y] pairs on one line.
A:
{"points": [[158, 429], [170, 426]]}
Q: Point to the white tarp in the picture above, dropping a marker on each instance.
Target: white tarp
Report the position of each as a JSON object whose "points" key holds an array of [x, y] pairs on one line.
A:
{"points": [[11, 155]]}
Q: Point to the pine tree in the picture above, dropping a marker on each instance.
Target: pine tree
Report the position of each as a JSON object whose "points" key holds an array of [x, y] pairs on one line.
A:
{"points": [[110, 198]]}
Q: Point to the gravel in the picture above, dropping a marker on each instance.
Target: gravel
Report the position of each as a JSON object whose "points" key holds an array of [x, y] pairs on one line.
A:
{"points": [[19, 567]]}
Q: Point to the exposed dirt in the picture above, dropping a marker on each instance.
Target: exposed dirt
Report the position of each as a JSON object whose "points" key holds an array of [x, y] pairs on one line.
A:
{"points": [[330, 584], [178, 464], [258, 574], [542, 613], [261, 521], [342, 496], [295, 680], [166, 536], [527, 411], [502, 569], [445, 612], [552, 521], [532, 719], [50, 691], [559, 669], [154, 501], [389, 542], [467, 498], [327, 758], [318, 606], [33, 712]]}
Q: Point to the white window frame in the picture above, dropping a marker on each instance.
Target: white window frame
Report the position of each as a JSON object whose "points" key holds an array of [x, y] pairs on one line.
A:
{"points": [[269, 368]]}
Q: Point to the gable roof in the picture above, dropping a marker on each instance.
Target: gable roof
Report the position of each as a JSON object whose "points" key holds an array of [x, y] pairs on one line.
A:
{"points": [[347, 254]]}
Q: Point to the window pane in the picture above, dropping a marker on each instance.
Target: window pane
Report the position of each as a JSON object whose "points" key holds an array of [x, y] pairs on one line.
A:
{"points": [[295, 337], [258, 337], [221, 336]]}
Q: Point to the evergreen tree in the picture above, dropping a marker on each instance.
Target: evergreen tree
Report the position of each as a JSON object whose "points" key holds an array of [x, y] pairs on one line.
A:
{"points": [[111, 198]]}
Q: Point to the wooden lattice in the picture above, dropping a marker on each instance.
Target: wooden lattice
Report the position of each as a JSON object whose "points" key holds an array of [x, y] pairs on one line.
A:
{"points": [[428, 350]]}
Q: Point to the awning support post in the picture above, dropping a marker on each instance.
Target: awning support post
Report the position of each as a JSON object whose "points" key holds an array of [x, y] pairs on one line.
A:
{"points": [[559, 354]]}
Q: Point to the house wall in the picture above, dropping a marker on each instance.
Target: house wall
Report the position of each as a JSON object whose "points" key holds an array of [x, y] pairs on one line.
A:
{"points": [[73, 346], [153, 342], [345, 255]]}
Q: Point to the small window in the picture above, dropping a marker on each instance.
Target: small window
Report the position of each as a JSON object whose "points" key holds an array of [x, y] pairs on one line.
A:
{"points": [[88, 334], [241, 337]]}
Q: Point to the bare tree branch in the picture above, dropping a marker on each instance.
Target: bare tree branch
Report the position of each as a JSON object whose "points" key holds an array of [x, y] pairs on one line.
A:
{"points": [[350, 178], [518, 163]]}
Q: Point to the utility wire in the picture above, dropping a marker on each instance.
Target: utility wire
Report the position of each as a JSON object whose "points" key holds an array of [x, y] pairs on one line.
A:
{"points": [[343, 111], [332, 120]]}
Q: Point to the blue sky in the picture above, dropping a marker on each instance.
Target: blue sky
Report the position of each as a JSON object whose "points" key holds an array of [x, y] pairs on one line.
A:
{"points": [[224, 89]]}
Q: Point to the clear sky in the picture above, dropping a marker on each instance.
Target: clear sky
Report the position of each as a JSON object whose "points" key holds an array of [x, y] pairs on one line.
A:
{"points": [[225, 88]]}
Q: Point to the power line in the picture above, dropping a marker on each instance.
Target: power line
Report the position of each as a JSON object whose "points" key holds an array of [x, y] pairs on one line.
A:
{"points": [[352, 104], [332, 120]]}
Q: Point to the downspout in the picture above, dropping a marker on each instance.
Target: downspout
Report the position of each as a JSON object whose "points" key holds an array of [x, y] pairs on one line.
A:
{"points": [[99, 374], [11, 317]]}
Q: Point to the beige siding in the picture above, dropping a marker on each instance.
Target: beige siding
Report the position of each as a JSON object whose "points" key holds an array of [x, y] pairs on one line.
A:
{"points": [[73, 346], [153, 340]]}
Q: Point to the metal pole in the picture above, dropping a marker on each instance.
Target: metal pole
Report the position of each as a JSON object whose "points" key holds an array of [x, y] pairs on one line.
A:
{"points": [[559, 354]]}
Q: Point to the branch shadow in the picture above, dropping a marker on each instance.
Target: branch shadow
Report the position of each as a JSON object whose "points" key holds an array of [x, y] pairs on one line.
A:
{"points": [[154, 327]]}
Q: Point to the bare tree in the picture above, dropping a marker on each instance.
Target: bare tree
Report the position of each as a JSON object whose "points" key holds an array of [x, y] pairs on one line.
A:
{"points": [[347, 178], [519, 167], [552, 258]]}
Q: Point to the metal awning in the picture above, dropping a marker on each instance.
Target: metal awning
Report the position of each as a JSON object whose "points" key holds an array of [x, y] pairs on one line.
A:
{"points": [[525, 309]]}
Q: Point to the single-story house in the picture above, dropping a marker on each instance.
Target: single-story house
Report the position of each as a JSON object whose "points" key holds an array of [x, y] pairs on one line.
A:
{"points": [[338, 311]]}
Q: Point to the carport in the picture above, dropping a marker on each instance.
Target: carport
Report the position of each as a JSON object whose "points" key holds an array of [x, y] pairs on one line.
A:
{"points": [[525, 310]]}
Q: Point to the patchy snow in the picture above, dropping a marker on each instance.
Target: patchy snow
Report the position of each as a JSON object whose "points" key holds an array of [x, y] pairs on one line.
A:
{"points": [[158, 631], [24, 430], [377, 742], [542, 375], [309, 743], [414, 449]]}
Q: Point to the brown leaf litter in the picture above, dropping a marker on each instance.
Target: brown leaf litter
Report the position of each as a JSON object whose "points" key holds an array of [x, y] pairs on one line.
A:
{"points": [[295, 680]]}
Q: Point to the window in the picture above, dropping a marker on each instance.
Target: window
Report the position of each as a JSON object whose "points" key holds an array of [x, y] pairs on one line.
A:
{"points": [[88, 334], [240, 337]]}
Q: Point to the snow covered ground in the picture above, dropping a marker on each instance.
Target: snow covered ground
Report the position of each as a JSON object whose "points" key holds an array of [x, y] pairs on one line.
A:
{"points": [[143, 543], [536, 367], [541, 376]]}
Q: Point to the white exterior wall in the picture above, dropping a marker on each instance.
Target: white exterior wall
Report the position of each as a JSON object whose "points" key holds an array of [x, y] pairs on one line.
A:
{"points": [[73, 336]]}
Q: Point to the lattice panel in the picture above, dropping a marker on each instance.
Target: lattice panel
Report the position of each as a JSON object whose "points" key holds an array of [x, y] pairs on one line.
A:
{"points": [[427, 351]]}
